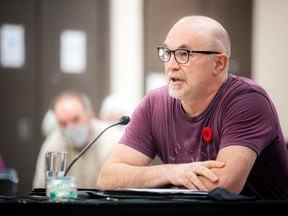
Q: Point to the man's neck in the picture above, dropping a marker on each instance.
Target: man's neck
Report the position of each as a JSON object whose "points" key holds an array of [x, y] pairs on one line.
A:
{"points": [[195, 106]]}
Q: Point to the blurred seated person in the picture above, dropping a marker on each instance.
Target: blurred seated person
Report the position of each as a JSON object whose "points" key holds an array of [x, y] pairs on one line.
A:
{"points": [[77, 126], [49, 123]]}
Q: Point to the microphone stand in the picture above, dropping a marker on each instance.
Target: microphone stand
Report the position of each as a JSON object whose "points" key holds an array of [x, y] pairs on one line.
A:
{"points": [[123, 121]]}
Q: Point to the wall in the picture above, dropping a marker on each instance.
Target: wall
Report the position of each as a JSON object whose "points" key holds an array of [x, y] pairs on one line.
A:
{"points": [[270, 44]]}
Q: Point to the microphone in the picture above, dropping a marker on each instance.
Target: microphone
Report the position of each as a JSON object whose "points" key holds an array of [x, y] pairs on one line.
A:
{"points": [[124, 120]]}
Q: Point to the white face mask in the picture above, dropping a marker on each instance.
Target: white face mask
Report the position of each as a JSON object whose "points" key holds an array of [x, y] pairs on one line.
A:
{"points": [[77, 135]]}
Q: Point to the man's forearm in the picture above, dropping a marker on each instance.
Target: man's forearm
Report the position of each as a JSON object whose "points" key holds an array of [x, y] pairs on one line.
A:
{"points": [[226, 180], [119, 175]]}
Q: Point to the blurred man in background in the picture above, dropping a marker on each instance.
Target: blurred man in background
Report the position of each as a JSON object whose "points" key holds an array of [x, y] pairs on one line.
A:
{"points": [[77, 126]]}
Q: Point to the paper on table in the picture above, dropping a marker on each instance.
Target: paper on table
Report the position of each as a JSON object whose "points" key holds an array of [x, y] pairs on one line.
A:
{"points": [[165, 191], [149, 193]]}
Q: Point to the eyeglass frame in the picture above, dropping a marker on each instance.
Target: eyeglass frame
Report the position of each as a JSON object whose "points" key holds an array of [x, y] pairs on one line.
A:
{"points": [[206, 52]]}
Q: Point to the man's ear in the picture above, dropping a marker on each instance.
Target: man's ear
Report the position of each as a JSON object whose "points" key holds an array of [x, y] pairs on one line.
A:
{"points": [[220, 63]]}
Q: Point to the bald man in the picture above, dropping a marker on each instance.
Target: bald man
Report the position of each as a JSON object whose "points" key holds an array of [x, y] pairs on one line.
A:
{"points": [[210, 128], [77, 126]]}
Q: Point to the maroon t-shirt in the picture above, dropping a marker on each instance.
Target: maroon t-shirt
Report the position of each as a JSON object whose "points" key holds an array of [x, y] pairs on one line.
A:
{"points": [[241, 113]]}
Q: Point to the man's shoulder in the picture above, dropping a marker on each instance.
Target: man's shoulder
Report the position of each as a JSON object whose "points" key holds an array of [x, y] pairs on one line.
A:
{"points": [[54, 141], [157, 99], [246, 84], [241, 92], [245, 93], [158, 92], [237, 86]]}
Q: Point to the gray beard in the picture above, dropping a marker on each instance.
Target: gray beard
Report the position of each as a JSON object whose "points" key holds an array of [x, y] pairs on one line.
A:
{"points": [[172, 93]]}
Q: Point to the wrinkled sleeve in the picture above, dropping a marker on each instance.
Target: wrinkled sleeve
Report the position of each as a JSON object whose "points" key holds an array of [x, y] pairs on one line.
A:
{"points": [[249, 120], [138, 133]]}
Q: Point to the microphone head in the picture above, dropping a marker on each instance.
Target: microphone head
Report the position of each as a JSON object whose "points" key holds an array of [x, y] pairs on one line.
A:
{"points": [[124, 120]]}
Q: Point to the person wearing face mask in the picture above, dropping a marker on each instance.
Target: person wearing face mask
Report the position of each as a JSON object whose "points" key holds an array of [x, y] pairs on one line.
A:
{"points": [[78, 135], [76, 127]]}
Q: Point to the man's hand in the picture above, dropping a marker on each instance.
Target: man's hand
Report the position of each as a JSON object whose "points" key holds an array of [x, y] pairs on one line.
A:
{"points": [[187, 174]]}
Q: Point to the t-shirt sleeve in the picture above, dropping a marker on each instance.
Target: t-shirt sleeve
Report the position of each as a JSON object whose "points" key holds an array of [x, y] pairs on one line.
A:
{"points": [[249, 121], [138, 133]]}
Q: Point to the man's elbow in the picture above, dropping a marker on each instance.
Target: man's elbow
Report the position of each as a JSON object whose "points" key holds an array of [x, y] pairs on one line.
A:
{"points": [[227, 183]]}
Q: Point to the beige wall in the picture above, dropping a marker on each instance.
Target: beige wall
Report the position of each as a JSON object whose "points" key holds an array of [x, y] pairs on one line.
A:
{"points": [[269, 59], [126, 48]]}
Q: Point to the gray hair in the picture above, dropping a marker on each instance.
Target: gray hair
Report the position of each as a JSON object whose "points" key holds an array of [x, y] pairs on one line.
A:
{"points": [[81, 97]]}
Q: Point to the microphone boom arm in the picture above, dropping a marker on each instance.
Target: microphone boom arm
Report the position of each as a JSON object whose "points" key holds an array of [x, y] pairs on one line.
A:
{"points": [[123, 121]]}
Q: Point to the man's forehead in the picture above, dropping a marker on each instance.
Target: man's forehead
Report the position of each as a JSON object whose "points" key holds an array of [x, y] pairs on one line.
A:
{"points": [[185, 39], [68, 105]]}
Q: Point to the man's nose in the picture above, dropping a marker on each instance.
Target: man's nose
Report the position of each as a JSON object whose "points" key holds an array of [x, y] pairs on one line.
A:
{"points": [[172, 64]]}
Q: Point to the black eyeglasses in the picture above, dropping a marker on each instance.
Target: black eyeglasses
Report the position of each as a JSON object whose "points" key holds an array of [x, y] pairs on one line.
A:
{"points": [[181, 55]]}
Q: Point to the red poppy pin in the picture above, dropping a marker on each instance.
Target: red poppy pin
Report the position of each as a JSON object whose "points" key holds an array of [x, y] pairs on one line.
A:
{"points": [[207, 135]]}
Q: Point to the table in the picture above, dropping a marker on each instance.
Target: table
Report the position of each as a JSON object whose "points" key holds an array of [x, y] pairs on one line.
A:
{"points": [[112, 205]]}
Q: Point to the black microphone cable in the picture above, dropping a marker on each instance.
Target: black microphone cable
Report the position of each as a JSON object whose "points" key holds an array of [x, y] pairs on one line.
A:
{"points": [[123, 121]]}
